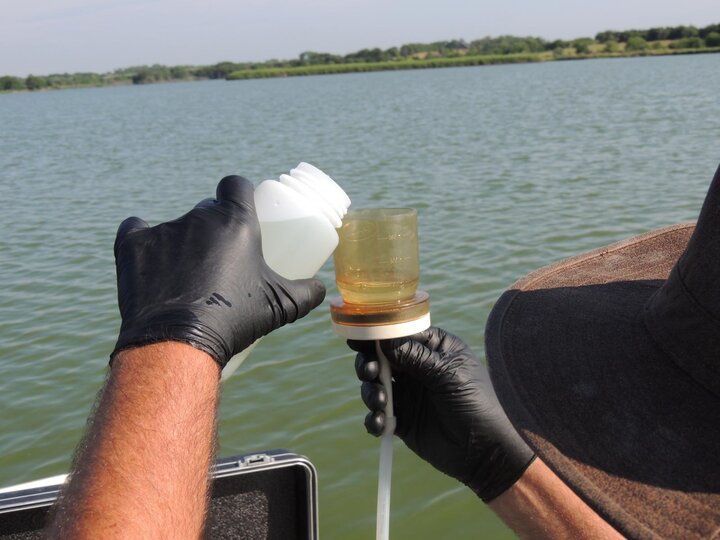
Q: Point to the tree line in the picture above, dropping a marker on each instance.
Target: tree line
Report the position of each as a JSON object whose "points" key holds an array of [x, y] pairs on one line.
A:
{"points": [[609, 41], [661, 33]]}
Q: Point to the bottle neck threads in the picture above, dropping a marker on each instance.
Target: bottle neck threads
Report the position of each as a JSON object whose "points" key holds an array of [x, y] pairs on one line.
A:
{"points": [[318, 189]]}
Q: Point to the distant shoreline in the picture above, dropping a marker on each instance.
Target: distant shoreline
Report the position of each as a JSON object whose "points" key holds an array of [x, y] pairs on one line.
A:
{"points": [[331, 69], [337, 69], [658, 41]]}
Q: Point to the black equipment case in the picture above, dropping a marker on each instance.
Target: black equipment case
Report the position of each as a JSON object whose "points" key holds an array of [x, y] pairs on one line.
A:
{"points": [[265, 496]]}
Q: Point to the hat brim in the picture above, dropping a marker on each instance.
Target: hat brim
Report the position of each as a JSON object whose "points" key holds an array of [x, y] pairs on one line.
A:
{"points": [[584, 384]]}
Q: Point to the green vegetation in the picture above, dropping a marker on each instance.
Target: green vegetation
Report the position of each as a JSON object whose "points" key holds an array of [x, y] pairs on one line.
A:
{"points": [[456, 52], [688, 43], [712, 39], [658, 34], [9, 84], [636, 43], [356, 67], [612, 46]]}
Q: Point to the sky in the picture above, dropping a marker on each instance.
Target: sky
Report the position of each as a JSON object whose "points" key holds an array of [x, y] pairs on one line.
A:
{"points": [[57, 36]]}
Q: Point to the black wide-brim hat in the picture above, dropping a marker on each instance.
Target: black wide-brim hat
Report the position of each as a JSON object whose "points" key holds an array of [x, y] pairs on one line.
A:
{"points": [[608, 365]]}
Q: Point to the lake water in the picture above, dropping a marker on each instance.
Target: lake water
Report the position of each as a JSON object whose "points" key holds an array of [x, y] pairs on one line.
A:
{"points": [[510, 168]]}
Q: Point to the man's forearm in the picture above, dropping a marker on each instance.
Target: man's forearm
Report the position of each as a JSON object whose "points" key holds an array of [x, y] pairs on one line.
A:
{"points": [[143, 469], [541, 506]]}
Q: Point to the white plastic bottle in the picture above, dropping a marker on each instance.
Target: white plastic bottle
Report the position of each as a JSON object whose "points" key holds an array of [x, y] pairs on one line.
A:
{"points": [[298, 216]]}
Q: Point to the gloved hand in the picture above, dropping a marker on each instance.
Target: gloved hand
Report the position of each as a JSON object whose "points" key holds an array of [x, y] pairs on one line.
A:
{"points": [[446, 409], [202, 279]]}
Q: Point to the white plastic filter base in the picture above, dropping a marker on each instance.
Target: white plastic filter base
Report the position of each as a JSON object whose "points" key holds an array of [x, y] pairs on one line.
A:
{"points": [[385, 331]]}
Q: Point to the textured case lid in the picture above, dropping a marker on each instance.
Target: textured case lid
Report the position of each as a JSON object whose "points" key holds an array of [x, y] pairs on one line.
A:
{"points": [[268, 495]]}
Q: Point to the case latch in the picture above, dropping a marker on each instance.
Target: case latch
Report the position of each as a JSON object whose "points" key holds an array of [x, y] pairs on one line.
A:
{"points": [[255, 459]]}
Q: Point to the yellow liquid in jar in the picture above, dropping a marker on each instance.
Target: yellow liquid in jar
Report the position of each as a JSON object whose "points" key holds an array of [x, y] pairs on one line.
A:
{"points": [[376, 260], [376, 292]]}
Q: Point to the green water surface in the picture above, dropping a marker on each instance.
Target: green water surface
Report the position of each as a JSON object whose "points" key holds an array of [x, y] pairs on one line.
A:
{"points": [[510, 168]]}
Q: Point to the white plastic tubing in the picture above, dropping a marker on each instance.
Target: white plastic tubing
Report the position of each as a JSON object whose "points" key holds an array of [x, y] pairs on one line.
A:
{"points": [[386, 451]]}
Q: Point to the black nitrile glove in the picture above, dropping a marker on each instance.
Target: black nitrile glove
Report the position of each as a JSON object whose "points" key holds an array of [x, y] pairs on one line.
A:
{"points": [[446, 409], [201, 279]]}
